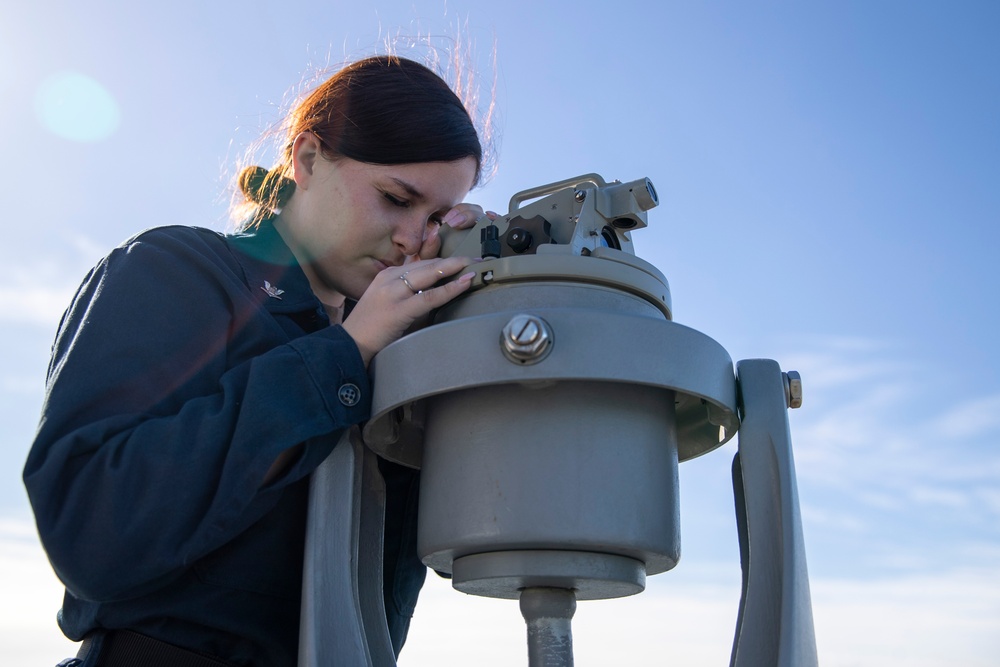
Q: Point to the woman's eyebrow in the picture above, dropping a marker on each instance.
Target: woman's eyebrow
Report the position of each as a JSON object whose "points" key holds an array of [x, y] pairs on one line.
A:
{"points": [[410, 190]]}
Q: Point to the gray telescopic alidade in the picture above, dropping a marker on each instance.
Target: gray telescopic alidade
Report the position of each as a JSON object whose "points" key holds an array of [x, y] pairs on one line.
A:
{"points": [[548, 408]]}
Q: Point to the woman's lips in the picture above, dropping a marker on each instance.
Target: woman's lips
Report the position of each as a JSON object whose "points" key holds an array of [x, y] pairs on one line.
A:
{"points": [[383, 264]]}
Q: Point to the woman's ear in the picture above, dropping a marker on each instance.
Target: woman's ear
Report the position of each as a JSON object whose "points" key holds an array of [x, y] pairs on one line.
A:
{"points": [[305, 153]]}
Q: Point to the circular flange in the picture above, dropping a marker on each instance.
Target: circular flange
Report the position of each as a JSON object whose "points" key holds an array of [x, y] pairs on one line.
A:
{"points": [[593, 576], [654, 352]]}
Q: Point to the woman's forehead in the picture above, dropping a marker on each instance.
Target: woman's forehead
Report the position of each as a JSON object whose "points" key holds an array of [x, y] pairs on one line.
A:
{"points": [[438, 182]]}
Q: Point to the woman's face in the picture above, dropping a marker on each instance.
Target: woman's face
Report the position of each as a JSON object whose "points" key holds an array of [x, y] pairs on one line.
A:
{"points": [[348, 220]]}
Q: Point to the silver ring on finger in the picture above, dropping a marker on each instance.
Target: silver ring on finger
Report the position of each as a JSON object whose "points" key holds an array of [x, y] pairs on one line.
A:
{"points": [[407, 283]]}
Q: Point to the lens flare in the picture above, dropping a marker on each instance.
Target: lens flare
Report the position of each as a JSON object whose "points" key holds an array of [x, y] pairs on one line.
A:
{"points": [[76, 107]]}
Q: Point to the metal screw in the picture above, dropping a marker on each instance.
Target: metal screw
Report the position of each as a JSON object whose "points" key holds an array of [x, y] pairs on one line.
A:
{"points": [[580, 195], [793, 388], [526, 339], [523, 330]]}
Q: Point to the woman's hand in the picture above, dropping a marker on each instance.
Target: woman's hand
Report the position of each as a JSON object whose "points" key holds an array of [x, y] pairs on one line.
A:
{"points": [[462, 216], [391, 305], [402, 295]]}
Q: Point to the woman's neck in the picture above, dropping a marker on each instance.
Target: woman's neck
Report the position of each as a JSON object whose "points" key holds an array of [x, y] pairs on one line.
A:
{"points": [[335, 313]]}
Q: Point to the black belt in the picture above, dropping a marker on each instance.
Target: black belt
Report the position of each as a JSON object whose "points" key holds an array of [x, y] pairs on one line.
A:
{"points": [[124, 648]]}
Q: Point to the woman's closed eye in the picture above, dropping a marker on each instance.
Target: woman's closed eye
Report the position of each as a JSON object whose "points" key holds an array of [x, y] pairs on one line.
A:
{"points": [[437, 218], [396, 201]]}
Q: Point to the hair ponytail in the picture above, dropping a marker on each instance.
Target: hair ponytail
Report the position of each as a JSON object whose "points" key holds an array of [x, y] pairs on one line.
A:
{"points": [[267, 191]]}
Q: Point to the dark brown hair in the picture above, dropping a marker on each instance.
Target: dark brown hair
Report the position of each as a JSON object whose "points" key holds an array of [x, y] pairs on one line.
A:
{"points": [[379, 110]]}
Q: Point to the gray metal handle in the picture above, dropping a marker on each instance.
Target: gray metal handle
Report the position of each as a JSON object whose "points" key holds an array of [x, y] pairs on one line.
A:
{"points": [[542, 190]]}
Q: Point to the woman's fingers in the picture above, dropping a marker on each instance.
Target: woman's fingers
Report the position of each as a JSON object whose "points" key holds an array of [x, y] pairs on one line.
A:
{"points": [[428, 272], [431, 277], [464, 216], [400, 296], [436, 296], [432, 242]]}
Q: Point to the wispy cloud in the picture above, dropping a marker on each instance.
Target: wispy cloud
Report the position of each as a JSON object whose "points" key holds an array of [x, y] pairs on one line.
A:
{"points": [[949, 617], [885, 459], [36, 290], [980, 417], [32, 596], [833, 519], [24, 300], [872, 417], [17, 530], [22, 385], [840, 361]]}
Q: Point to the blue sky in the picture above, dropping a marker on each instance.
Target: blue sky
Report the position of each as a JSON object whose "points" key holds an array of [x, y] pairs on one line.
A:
{"points": [[829, 177]]}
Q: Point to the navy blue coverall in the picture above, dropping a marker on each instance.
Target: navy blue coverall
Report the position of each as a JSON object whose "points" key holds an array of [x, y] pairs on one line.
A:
{"points": [[186, 363]]}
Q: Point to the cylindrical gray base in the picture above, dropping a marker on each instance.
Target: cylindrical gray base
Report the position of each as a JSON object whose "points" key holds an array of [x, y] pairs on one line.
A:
{"points": [[594, 576], [548, 613], [572, 466]]}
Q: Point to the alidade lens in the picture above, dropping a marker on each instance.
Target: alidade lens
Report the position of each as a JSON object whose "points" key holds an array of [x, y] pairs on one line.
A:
{"points": [[652, 192], [609, 239]]}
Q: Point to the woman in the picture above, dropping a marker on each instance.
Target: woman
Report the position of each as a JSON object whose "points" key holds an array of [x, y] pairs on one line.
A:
{"points": [[197, 379]]}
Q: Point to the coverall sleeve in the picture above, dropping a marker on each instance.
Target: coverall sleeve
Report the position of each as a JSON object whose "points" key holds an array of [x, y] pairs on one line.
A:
{"points": [[168, 398]]}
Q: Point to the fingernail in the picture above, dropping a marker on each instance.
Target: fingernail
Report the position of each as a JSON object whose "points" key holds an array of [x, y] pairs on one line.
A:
{"points": [[451, 218], [492, 215], [467, 277]]}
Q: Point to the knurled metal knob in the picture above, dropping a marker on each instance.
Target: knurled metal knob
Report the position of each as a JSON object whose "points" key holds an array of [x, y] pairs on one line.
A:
{"points": [[526, 339]]}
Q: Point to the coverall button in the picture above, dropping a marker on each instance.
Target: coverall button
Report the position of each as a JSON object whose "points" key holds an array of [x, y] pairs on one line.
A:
{"points": [[349, 394]]}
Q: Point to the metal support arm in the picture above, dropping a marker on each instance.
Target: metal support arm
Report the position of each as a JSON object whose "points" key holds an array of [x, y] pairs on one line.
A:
{"points": [[343, 616], [775, 623]]}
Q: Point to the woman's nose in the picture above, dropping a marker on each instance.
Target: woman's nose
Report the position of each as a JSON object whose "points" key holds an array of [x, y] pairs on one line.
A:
{"points": [[409, 236]]}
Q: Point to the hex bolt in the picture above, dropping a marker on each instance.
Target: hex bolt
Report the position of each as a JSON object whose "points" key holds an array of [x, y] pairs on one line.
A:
{"points": [[524, 331], [526, 339], [793, 388]]}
